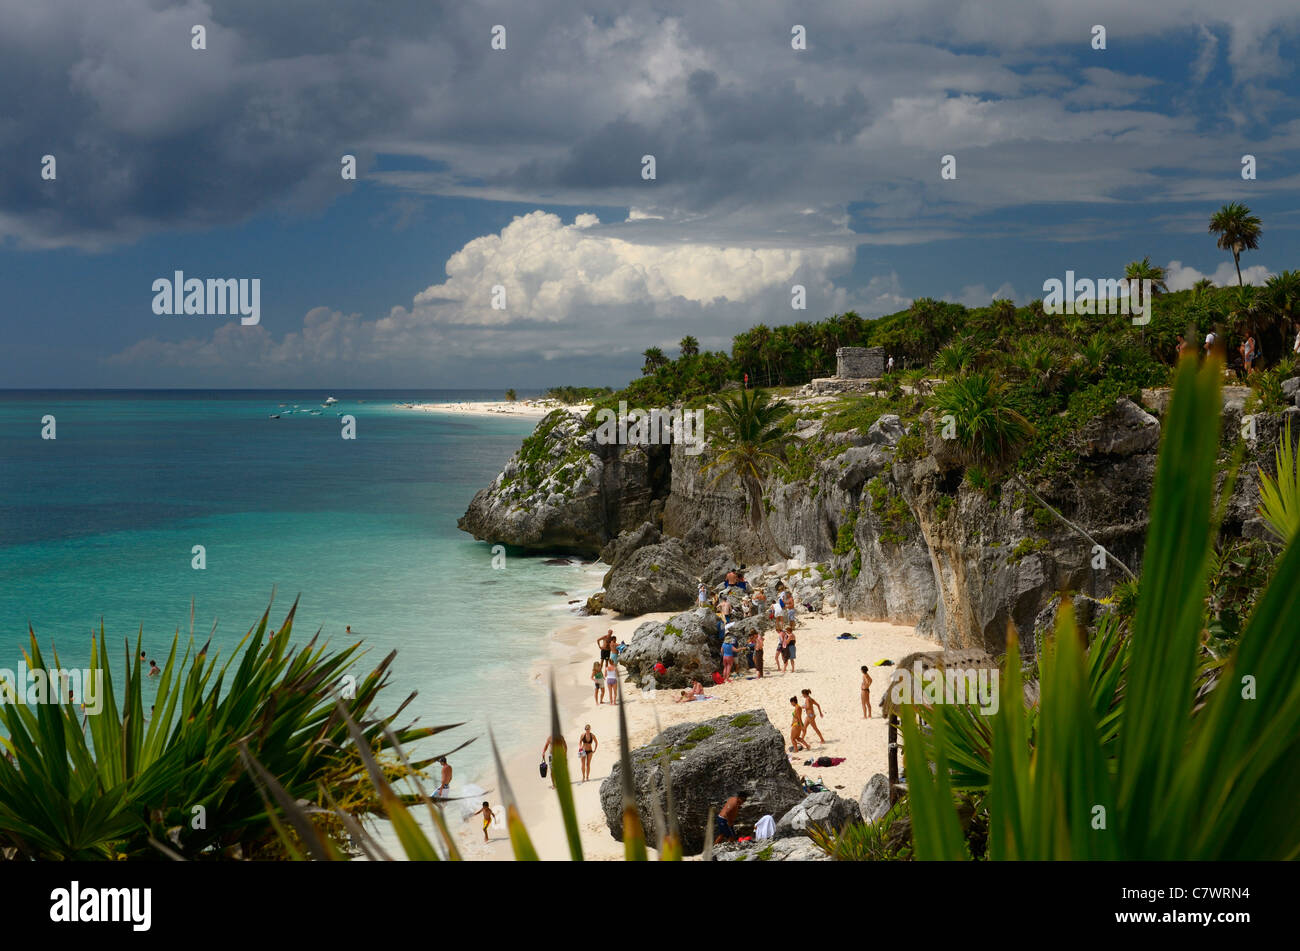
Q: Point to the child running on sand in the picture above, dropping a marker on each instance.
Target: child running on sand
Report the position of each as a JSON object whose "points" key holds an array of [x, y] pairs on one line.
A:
{"points": [[866, 694], [598, 679], [810, 719], [796, 727], [486, 813]]}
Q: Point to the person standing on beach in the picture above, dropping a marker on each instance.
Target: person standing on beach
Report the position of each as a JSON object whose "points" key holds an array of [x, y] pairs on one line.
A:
{"points": [[866, 694], [789, 644], [796, 727], [703, 597], [598, 679], [728, 659], [611, 680], [724, 825], [603, 643], [810, 719], [587, 744], [548, 750], [758, 653], [445, 787]]}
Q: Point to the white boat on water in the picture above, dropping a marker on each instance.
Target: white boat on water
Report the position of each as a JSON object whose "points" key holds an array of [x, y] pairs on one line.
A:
{"points": [[329, 401]]}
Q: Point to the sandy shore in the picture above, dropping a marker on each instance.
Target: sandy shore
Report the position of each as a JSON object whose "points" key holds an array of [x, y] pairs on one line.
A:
{"points": [[827, 666], [534, 409]]}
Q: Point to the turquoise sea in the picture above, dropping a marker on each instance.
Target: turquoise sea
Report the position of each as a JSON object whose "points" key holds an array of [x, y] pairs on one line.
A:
{"points": [[101, 522]]}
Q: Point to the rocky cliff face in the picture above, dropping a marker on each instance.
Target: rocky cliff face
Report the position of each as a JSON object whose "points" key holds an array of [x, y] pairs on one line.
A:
{"points": [[904, 533], [564, 492]]}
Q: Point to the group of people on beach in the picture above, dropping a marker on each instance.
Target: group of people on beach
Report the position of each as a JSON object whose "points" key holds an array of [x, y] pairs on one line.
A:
{"points": [[604, 672], [736, 657]]}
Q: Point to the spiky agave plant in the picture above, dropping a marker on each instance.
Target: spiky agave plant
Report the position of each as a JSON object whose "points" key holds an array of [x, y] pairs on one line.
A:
{"points": [[1189, 779], [116, 784]]}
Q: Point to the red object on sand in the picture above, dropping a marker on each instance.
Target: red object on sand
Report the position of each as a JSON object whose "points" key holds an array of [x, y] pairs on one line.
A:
{"points": [[660, 669]]}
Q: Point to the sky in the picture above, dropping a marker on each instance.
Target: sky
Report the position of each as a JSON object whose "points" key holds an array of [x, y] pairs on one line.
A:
{"points": [[502, 229]]}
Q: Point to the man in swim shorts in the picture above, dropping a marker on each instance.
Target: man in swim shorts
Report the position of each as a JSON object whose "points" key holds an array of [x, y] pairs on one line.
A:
{"points": [[725, 824]]}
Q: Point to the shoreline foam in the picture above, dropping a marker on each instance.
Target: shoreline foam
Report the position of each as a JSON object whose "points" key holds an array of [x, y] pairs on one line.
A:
{"points": [[527, 409]]}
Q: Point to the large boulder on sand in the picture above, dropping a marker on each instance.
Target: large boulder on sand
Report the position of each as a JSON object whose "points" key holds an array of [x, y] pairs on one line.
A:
{"points": [[709, 763], [659, 577], [686, 644], [874, 801], [826, 809]]}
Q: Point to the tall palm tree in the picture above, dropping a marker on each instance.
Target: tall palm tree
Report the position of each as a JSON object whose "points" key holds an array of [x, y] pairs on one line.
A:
{"points": [[689, 346], [992, 433], [745, 445], [1144, 270], [654, 359], [1238, 231]]}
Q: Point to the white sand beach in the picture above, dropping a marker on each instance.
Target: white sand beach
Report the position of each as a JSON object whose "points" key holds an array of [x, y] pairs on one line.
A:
{"points": [[827, 666], [534, 409]]}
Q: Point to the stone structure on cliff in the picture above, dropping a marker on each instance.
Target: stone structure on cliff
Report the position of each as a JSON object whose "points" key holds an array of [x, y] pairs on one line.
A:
{"points": [[859, 363]]}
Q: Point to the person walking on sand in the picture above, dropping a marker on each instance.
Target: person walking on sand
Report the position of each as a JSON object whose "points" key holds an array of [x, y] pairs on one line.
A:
{"points": [[587, 744], [810, 718], [598, 679], [486, 813], [866, 693], [547, 752], [611, 680], [796, 727], [445, 785]]}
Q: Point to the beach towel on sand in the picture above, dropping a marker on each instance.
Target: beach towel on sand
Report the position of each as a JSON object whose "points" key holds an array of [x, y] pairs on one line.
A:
{"points": [[766, 828], [825, 761]]}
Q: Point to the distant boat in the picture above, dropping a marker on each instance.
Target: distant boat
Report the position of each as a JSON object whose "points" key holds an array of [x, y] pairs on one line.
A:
{"points": [[275, 415], [329, 401]]}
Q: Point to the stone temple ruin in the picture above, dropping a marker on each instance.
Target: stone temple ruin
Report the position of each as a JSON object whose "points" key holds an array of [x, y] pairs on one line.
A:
{"points": [[855, 368]]}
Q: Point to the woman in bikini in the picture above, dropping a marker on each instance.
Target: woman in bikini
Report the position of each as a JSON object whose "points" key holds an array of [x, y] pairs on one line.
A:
{"points": [[611, 680], [598, 680], [810, 719], [586, 750], [796, 727], [866, 694]]}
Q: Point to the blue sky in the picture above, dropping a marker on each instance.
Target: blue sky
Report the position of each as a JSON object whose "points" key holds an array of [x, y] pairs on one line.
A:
{"points": [[521, 168]]}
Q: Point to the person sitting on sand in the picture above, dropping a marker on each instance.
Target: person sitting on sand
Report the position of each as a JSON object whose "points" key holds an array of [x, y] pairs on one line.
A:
{"points": [[598, 680], [866, 694], [587, 744], [796, 727], [725, 823], [695, 691], [810, 719], [611, 680], [486, 813]]}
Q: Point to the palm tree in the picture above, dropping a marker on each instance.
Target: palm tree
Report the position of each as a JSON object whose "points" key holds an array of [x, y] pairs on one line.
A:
{"points": [[689, 346], [991, 433], [1144, 270], [1245, 309], [1282, 292], [654, 359], [1201, 286], [1238, 231], [510, 396], [746, 445]]}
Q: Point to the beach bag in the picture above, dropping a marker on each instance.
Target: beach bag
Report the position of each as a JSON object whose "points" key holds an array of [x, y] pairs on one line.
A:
{"points": [[824, 761], [542, 769]]}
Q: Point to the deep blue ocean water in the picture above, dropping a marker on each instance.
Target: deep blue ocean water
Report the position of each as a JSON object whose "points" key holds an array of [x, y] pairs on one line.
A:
{"points": [[100, 523]]}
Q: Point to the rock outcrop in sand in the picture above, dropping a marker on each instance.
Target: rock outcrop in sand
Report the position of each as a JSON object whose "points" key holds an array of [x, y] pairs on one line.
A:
{"points": [[709, 762]]}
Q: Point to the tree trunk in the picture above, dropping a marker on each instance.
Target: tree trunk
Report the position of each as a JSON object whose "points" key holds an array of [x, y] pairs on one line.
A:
{"points": [[1236, 259], [1078, 528], [758, 518]]}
